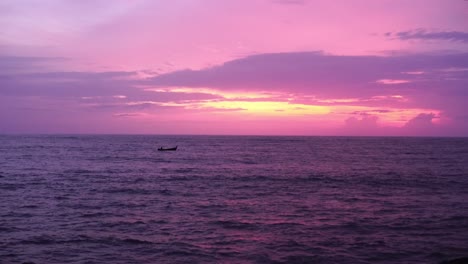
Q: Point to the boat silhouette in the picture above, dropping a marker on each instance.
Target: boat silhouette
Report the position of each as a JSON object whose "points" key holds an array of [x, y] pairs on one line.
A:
{"points": [[167, 149]]}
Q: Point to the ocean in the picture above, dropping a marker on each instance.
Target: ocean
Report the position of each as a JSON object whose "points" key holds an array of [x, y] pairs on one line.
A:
{"points": [[232, 199]]}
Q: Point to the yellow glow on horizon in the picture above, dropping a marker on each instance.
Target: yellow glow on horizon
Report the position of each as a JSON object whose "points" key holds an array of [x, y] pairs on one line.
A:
{"points": [[239, 105], [269, 108], [396, 117]]}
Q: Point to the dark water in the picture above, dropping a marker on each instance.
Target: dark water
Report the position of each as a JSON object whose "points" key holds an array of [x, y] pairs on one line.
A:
{"points": [[116, 199]]}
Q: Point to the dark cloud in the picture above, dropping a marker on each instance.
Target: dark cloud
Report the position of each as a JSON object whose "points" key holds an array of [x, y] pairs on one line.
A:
{"points": [[422, 121], [127, 114], [17, 64], [322, 75], [78, 76], [90, 86], [27, 60], [422, 34], [66, 85]]}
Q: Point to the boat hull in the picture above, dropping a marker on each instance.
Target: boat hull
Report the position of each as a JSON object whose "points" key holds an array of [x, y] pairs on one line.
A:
{"points": [[167, 149]]}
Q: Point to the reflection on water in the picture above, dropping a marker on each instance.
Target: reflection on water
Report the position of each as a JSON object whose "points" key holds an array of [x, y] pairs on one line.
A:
{"points": [[94, 199]]}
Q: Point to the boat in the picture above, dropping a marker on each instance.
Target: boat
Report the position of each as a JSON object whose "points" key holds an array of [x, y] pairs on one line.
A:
{"points": [[167, 149]]}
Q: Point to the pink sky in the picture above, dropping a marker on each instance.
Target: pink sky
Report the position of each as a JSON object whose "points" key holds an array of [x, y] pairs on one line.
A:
{"points": [[273, 67]]}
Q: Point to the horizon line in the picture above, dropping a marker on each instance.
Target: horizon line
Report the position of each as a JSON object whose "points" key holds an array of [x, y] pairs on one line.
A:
{"points": [[221, 135]]}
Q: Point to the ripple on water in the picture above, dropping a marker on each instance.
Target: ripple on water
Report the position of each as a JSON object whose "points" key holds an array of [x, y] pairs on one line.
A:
{"points": [[88, 199]]}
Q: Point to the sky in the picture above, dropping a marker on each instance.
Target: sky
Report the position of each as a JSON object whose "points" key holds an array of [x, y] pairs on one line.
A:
{"points": [[234, 67]]}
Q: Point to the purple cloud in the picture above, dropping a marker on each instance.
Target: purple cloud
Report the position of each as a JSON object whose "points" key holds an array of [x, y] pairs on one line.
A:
{"points": [[367, 121], [289, 2], [421, 122], [422, 34], [366, 113], [17, 64], [328, 76], [93, 87], [310, 77], [318, 74], [421, 125], [443, 84]]}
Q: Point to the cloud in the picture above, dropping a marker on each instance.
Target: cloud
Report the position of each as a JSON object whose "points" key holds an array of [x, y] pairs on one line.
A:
{"points": [[422, 34], [430, 124], [319, 77], [47, 101], [322, 79], [9, 60], [289, 2], [366, 113], [422, 121], [67, 84], [325, 76], [79, 76], [92, 87], [367, 121], [21, 64], [128, 114], [388, 81], [355, 83], [366, 125], [420, 125]]}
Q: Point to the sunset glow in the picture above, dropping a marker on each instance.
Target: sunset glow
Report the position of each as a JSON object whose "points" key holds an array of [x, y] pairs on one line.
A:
{"points": [[235, 67]]}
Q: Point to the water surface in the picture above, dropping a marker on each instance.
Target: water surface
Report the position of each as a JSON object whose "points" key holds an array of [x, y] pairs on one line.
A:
{"points": [[222, 199]]}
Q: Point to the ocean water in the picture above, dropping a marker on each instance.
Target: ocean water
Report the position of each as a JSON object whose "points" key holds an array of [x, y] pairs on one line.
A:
{"points": [[232, 199]]}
